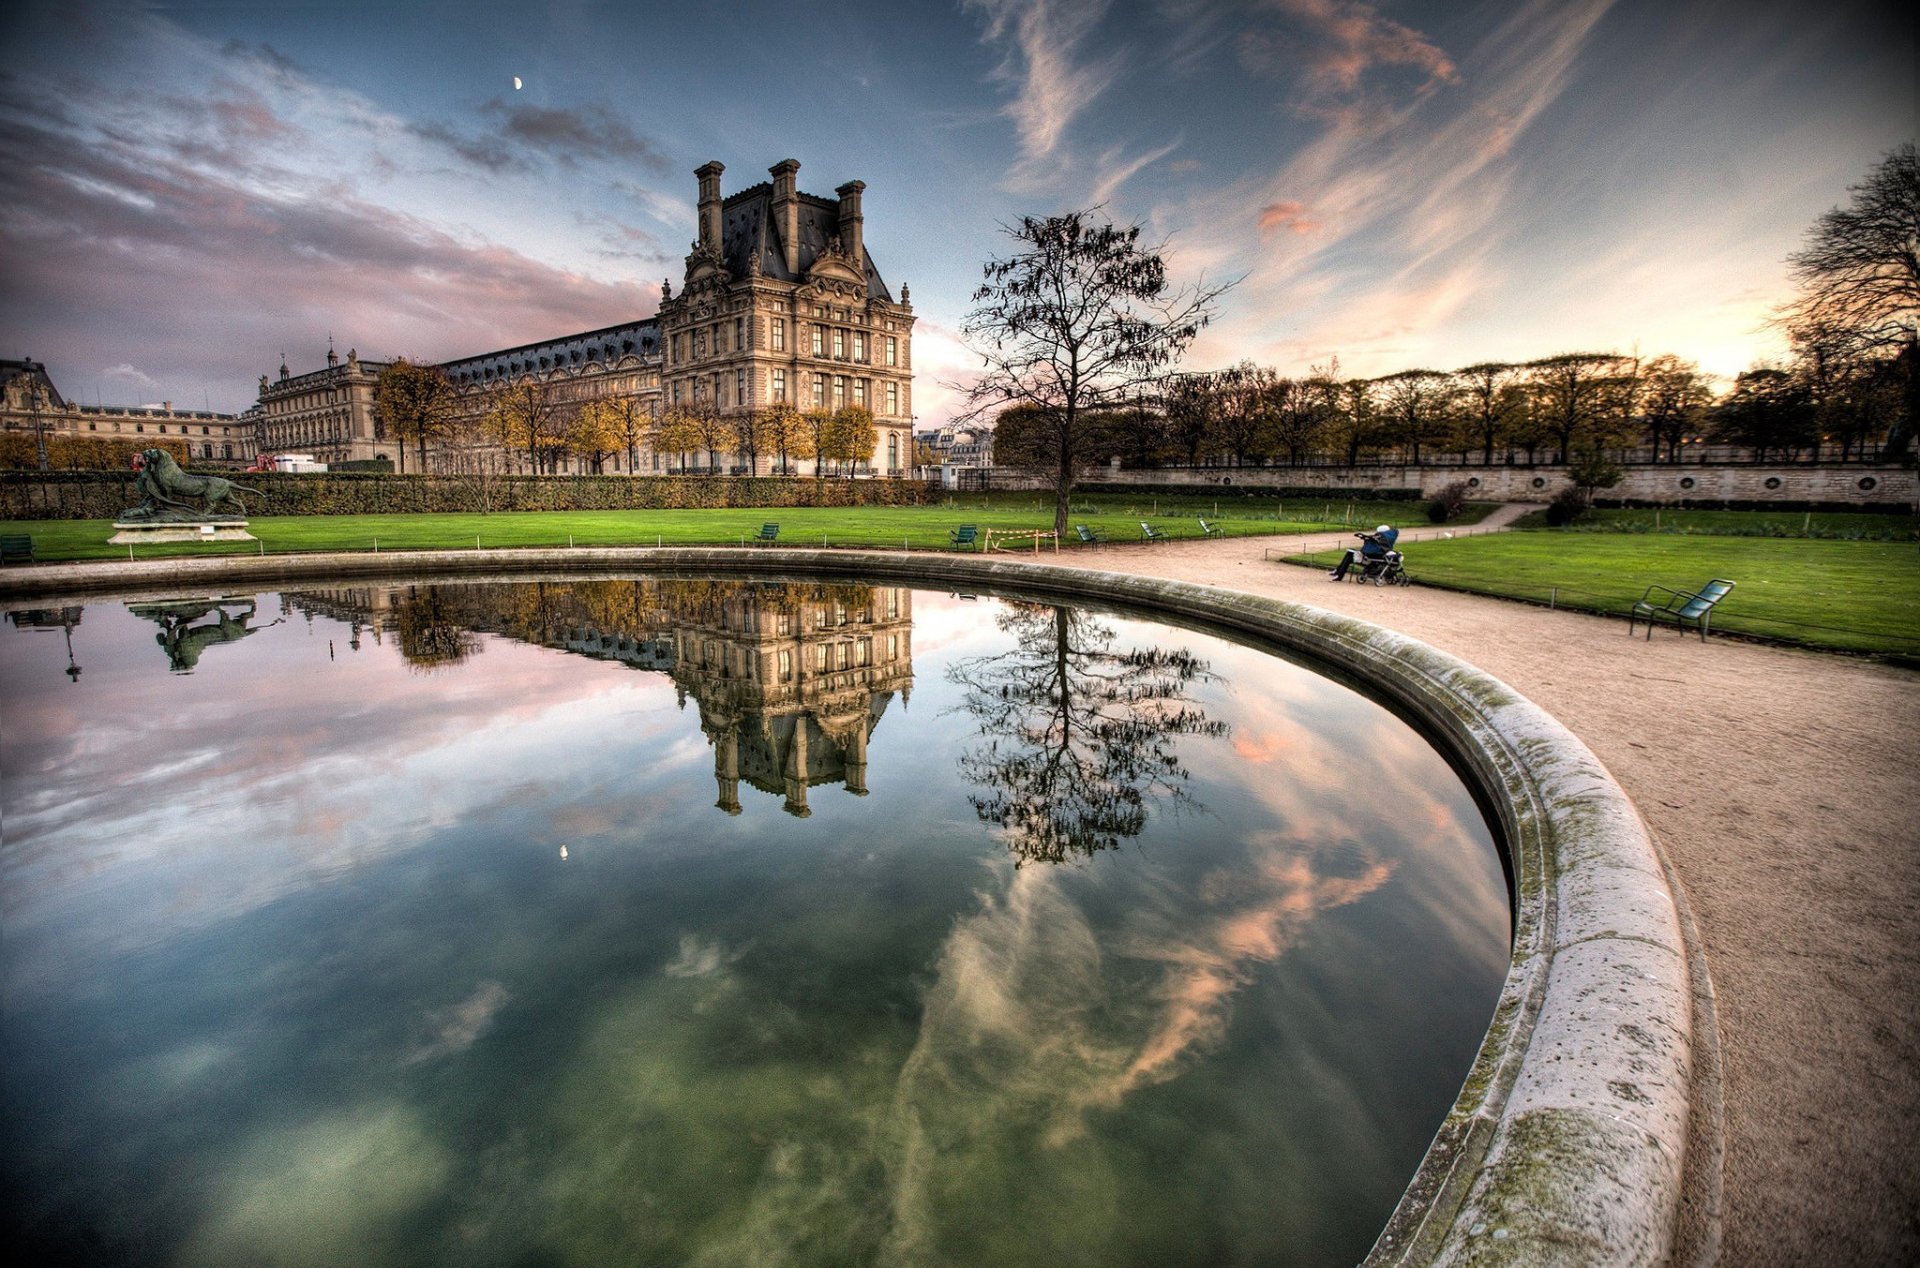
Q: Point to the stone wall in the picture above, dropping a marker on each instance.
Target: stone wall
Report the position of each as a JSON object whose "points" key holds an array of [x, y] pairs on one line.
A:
{"points": [[1837, 484]]}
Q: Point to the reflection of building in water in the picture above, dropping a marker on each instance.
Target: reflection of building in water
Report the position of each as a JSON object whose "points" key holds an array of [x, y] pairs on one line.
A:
{"points": [[790, 678], [790, 685]]}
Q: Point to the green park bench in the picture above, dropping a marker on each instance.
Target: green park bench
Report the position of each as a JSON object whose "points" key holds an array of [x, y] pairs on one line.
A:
{"points": [[1681, 607]]}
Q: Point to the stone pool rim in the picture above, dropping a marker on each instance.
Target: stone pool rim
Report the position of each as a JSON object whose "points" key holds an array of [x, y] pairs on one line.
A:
{"points": [[1567, 1141]]}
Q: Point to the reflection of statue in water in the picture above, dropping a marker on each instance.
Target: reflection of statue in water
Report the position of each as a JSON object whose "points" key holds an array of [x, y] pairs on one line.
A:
{"points": [[1076, 738], [184, 640], [167, 493]]}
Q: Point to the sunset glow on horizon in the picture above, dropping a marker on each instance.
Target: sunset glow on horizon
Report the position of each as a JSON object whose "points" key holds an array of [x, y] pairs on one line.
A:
{"points": [[197, 188]]}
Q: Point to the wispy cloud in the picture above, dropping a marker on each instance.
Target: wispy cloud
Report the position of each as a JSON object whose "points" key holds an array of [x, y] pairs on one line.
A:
{"points": [[1044, 42], [1333, 47], [289, 207], [1380, 230], [1115, 170], [130, 373], [570, 136]]}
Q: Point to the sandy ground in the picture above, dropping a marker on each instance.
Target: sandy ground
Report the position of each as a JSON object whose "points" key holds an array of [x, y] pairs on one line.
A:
{"points": [[1781, 785]]}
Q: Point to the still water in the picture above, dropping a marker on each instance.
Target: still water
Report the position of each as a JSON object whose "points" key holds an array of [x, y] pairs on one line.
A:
{"points": [[699, 922]]}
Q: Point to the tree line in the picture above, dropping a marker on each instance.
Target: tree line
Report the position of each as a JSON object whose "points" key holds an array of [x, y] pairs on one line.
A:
{"points": [[1080, 334], [530, 425], [1551, 409]]}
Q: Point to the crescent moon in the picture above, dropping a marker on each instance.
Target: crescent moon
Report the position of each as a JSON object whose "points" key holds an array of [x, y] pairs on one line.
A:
{"points": [[516, 83]]}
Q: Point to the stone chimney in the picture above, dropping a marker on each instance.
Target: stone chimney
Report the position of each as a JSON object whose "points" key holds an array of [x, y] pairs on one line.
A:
{"points": [[786, 209], [851, 220], [710, 204]]}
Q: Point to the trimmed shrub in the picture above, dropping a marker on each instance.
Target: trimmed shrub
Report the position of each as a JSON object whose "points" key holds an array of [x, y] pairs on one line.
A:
{"points": [[1448, 502], [1568, 505], [100, 495]]}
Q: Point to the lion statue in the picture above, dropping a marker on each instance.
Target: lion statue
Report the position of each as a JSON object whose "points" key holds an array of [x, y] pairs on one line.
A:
{"points": [[165, 490]]}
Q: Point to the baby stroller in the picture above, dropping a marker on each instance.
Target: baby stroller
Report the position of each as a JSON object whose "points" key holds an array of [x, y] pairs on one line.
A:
{"points": [[1382, 570]]}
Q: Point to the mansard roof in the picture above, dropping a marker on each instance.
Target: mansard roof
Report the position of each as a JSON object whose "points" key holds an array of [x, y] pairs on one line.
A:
{"points": [[34, 372], [748, 228], [605, 345]]}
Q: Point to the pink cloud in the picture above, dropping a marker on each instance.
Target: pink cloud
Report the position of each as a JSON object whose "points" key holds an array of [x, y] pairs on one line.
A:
{"points": [[1294, 217]]}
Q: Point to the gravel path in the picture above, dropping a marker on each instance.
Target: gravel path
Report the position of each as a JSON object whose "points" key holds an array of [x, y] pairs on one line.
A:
{"points": [[1781, 785]]}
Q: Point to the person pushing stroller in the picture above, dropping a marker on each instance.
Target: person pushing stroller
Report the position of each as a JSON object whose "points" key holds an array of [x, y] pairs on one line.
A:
{"points": [[1375, 549]]}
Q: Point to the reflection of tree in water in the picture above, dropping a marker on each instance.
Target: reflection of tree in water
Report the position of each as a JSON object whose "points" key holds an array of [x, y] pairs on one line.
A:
{"points": [[1078, 736], [433, 630]]}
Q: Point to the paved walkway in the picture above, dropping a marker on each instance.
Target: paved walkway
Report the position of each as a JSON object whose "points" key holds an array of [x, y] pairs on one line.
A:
{"points": [[1781, 785]]}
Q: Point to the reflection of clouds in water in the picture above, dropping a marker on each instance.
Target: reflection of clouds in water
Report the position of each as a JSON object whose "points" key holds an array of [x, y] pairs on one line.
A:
{"points": [[331, 1190], [1205, 966], [453, 1030], [329, 776], [702, 959], [1035, 1019]]}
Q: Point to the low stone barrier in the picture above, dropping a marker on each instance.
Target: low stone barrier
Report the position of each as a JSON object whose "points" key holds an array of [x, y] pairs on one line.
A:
{"points": [[1567, 1141]]}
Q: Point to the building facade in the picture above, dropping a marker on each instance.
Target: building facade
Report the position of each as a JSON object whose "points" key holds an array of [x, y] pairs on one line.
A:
{"points": [[332, 413], [32, 410], [780, 304]]}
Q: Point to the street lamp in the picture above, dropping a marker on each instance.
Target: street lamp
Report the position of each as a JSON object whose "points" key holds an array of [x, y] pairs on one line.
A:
{"points": [[36, 398]]}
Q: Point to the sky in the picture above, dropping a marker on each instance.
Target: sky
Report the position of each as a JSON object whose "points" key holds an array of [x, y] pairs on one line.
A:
{"points": [[195, 190]]}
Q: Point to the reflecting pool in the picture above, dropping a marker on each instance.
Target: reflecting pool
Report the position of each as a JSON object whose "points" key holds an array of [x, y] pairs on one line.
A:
{"points": [[679, 921]]}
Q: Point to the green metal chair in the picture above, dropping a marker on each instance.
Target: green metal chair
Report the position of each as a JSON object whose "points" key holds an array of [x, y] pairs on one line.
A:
{"points": [[965, 537], [1148, 533], [1681, 607], [768, 535], [1089, 536], [16, 548], [1209, 530]]}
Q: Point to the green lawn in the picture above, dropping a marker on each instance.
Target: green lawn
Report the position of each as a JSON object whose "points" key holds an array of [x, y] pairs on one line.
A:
{"points": [[1835, 525], [1848, 595], [915, 527]]}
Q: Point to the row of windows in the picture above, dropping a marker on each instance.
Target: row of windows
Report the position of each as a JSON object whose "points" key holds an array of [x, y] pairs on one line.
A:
{"points": [[846, 344], [836, 391], [158, 427]]}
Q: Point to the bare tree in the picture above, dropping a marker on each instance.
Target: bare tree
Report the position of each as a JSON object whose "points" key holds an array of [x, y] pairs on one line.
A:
{"points": [[1859, 279], [1082, 318]]}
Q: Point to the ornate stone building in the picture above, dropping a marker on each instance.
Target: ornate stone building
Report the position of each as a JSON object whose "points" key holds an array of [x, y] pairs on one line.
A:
{"points": [[328, 413], [780, 303], [615, 361], [32, 407]]}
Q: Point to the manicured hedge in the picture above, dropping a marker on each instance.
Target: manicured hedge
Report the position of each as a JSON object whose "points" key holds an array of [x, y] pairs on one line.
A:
{"points": [[98, 495]]}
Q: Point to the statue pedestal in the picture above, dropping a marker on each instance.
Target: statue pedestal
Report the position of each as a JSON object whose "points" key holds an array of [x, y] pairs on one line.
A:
{"points": [[136, 532]]}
